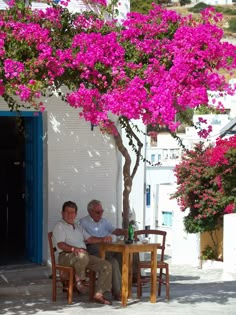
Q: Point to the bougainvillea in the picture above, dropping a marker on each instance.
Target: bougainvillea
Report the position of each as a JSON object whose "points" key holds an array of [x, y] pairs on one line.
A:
{"points": [[147, 67], [206, 184]]}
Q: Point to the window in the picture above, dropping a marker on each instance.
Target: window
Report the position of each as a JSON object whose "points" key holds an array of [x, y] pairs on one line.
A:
{"points": [[153, 135], [152, 158], [148, 195], [166, 218], [165, 154]]}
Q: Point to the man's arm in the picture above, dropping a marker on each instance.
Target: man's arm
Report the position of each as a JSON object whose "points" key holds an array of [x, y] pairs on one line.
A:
{"points": [[97, 240], [119, 232], [70, 249]]}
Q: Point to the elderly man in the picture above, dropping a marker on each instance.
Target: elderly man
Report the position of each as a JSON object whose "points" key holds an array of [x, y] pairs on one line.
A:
{"points": [[97, 226], [70, 240]]}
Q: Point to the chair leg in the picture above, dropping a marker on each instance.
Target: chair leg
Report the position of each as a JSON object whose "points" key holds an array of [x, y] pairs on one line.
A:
{"points": [[54, 287], [139, 284], [167, 283], [70, 287], [160, 282]]}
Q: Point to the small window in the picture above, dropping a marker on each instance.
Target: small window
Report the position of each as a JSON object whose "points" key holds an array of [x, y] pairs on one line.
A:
{"points": [[153, 135], [153, 158], [148, 195], [166, 218]]}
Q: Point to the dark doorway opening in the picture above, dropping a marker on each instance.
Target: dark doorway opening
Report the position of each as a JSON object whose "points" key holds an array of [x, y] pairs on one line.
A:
{"points": [[12, 191]]}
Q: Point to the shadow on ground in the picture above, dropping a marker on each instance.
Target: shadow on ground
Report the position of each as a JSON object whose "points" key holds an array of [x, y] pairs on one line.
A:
{"points": [[36, 298]]}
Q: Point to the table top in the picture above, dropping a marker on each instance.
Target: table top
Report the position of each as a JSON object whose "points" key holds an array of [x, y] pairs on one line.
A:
{"points": [[120, 246]]}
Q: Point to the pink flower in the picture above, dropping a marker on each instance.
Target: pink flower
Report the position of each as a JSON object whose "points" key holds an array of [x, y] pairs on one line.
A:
{"points": [[230, 208]]}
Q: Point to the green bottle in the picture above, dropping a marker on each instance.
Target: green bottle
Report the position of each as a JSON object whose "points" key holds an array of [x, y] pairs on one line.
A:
{"points": [[131, 233]]}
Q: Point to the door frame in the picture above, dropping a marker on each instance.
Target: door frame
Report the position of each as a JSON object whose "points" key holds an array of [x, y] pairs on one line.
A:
{"points": [[34, 202]]}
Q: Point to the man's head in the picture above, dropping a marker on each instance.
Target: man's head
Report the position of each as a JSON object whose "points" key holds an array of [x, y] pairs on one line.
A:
{"points": [[95, 210], [69, 212]]}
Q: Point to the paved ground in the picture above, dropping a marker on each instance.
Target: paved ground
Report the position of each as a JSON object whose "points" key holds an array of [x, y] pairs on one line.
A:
{"points": [[193, 291]]}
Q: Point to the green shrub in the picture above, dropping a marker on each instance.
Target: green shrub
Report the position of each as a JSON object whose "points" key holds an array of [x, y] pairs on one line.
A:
{"points": [[232, 25], [199, 7], [225, 10], [184, 2], [141, 6], [208, 253]]}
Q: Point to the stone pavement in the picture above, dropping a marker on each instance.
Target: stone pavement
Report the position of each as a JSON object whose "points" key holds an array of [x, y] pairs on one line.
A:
{"points": [[193, 291]]}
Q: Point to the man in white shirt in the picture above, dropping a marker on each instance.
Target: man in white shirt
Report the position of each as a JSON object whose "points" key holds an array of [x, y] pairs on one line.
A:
{"points": [[95, 225]]}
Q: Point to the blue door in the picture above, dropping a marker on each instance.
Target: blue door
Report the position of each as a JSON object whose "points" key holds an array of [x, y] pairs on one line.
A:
{"points": [[33, 187], [32, 181]]}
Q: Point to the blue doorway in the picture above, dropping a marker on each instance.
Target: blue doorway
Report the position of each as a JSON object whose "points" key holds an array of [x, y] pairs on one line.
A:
{"points": [[21, 206]]}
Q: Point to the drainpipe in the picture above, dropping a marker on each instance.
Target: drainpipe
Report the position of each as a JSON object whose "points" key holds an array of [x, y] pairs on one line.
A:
{"points": [[145, 179]]}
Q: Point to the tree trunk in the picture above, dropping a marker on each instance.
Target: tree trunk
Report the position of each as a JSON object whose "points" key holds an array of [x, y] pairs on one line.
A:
{"points": [[127, 175], [126, 178]]}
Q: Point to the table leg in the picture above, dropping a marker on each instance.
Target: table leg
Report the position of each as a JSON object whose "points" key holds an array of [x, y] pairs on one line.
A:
{"points": [[153, 296], [130, 274], [125, 277], [101, 252]]}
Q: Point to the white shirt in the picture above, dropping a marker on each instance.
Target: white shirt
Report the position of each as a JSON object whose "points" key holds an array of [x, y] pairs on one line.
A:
{"points": [[69, 234]]}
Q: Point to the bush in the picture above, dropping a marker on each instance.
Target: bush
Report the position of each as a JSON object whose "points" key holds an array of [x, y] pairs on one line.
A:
{"points": [[141, 6], [206, 184], [184, 2], [224, 10], [232, 25], [208, 253], [199, 7]]}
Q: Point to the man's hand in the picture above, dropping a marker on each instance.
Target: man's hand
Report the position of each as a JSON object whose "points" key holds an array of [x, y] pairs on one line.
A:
{"points": [[78, 251], [107, 239]]}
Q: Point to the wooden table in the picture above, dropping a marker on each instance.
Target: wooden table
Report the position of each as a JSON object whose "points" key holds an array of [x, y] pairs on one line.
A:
{"points": [[127, 251]]}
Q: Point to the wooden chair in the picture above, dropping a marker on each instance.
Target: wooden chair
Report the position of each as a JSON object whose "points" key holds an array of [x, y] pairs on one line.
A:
{"points": [[162, 277], [66, 276]]}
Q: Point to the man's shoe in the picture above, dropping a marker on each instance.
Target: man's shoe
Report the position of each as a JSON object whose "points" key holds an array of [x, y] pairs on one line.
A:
{"points": [[80, 287], [99, 298]]}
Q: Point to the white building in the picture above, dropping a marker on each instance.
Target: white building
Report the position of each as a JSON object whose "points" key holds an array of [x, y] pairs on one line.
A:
{"points": [[161, 211], [213, 2]]}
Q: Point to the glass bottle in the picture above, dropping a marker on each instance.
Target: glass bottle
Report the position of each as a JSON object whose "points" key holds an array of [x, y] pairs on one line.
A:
{"points": [[131, 233]]}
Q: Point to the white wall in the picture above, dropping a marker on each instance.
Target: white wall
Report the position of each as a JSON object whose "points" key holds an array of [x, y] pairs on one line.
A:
{"points": [[161, 180], [185, 246], [79, 6], [229, 247], [79, 165], [82, 164]]}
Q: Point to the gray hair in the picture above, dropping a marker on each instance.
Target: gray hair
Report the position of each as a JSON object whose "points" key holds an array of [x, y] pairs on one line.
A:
{"points": [[93, 203]]}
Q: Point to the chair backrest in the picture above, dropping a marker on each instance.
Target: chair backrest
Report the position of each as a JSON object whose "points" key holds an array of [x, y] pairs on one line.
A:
{"points": [[161, 239], [52, 250]]}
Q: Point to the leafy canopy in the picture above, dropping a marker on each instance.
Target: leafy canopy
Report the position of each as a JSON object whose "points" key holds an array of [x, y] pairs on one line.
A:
{"points": [[150, 67]]}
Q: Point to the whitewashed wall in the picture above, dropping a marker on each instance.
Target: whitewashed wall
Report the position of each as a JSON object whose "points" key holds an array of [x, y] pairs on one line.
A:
{"points": [[79, 165], [79, 6], [185, 246], [82, 164], [161, 180], [229, 247]]}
